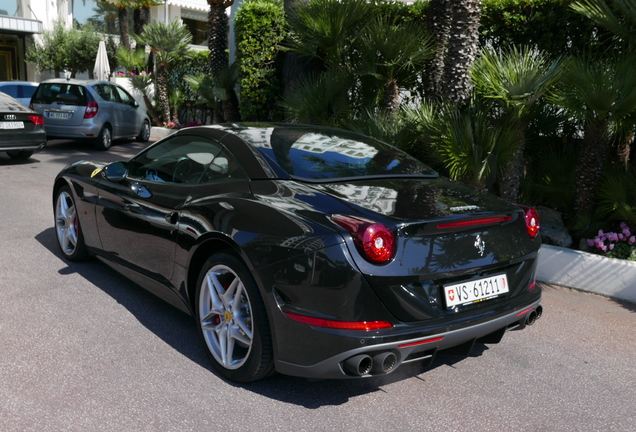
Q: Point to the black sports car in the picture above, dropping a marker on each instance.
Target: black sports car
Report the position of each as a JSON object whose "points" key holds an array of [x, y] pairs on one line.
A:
{"points": [[309, 251]]}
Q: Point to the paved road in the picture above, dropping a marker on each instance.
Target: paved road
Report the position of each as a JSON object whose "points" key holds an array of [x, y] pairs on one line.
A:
{"points": [[85, 350]]}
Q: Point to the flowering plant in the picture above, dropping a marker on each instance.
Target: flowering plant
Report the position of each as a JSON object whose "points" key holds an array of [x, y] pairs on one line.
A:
{"points": [[172, 125], [132, 74], [615, 244]]}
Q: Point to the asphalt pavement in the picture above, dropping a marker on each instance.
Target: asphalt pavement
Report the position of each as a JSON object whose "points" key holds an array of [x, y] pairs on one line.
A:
{"points": [[83, 349]]}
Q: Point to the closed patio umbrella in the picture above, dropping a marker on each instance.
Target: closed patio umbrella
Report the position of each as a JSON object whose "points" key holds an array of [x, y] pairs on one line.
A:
{"points": [[101, 71]]}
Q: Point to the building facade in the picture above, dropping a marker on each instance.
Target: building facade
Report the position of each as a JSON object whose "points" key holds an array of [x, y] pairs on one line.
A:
{"points": [[23, 21]]}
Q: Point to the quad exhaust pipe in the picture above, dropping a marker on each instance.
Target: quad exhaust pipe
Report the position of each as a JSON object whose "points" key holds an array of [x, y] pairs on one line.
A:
{"points": [[363, 364]]}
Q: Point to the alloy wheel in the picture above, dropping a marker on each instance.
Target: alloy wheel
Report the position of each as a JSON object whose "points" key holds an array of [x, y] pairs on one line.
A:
{"points": [[66, 225], [225, 313]]}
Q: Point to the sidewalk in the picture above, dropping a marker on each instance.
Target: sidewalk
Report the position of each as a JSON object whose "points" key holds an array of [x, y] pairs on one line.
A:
{"points": [[587, 272]]}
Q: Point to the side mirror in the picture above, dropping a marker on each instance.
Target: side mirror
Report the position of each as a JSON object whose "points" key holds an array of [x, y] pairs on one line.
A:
{"points": [[136, 104], [116, 172]]}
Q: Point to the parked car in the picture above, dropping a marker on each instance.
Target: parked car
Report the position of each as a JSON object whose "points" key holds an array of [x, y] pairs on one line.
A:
{"points": [[305, 250], [21, 129], [98, 110], [19, 90]]}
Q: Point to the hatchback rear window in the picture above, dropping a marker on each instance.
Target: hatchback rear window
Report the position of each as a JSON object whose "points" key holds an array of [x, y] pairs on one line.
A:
{"points": [[62, 93]]}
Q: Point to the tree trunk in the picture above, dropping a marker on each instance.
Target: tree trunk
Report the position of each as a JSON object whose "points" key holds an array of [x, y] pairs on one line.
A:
{"points": [[123, 27], [463, 44], [513, 172], [391, 96], [217, 38], [162, 92], [590, 165], [438, 25]]}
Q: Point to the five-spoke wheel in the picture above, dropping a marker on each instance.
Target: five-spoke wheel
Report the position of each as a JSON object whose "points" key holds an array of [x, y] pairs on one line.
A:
{"points": [[67, 228], [232, 320]]}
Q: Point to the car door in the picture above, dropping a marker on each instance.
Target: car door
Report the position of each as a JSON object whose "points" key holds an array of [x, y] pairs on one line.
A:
{"points": [[138, 217], [127, 107], [111, 108]]}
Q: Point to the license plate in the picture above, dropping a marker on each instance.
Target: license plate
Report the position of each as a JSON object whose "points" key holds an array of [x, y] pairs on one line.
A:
{"points": [[11, 125], [58, 115], [475, 291]]}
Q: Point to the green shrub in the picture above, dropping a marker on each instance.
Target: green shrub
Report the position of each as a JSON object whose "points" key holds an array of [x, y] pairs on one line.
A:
{"points": [[260, 29], [550, 25]]}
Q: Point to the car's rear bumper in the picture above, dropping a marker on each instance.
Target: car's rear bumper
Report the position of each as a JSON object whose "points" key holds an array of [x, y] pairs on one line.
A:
{"points": [[24, 140], [375, 357], [85, 130]]}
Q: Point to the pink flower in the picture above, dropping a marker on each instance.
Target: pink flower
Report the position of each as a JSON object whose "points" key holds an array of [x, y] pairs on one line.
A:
{"points": [[612, 237], [632, 240], [611, 247]]}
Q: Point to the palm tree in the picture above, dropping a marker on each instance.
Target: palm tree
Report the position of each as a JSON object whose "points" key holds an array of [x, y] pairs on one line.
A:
{"points": [[394, 53], [454, 25], [169, 43], [122, 15], [473, 149], [516, 79], [324, 31], [619, 18], [217, 34], [601, 96]]}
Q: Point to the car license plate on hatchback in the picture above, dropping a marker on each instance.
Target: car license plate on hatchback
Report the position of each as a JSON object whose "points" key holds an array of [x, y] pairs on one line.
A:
{"points": [[475, 290], [58, 115]]}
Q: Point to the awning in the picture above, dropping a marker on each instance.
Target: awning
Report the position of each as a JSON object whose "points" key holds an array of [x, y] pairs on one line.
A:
{"points": [[20, 25], [201, 5]]}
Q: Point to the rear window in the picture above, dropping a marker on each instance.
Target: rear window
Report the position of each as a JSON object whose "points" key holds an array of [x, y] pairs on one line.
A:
{"points": [[61, 93], [317, 154]]}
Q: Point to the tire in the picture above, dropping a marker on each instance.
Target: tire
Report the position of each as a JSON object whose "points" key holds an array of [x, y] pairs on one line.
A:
{"points": [[144, 133], [232, 320], [20, 154], [105, 139], [67, 228]]}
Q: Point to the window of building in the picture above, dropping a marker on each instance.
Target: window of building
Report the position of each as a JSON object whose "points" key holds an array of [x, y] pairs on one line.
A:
{"points": [[197, 24], [100, 14]]}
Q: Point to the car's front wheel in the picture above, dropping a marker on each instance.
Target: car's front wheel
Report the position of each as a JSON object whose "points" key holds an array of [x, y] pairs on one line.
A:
{"points": [[20, 154], [67, 228], [232, 320], [105, 139], [144, 133]]}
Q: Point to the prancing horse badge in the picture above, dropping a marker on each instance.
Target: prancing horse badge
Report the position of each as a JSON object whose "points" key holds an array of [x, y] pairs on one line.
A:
{"points": [[480, 245]]}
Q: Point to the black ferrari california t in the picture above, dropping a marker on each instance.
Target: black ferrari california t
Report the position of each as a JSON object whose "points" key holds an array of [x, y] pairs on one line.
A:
{"points": [[309, 251]]}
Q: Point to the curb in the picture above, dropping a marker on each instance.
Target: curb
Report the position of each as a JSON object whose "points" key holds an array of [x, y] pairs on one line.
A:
{"points": [[157, 133], [584, 271]]}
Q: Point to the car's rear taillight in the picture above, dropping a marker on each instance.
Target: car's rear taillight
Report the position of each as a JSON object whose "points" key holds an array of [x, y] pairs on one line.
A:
{"points": [[532, 220], [37, 120], [91, 110], [375, 241]]}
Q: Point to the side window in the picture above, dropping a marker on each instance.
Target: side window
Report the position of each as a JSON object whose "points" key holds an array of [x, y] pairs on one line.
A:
{"points": [[124, 96], [106, 92], [180, 159], [223, 167], [11, 90]]}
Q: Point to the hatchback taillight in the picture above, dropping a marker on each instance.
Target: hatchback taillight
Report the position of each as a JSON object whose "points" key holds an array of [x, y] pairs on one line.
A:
{"points": [[374, 241], [532, 220], [91, 110], [37, 120]]}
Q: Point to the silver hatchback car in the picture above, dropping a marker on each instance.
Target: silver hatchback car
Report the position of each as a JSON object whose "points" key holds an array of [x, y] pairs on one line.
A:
{"points": [[98, 110]]}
